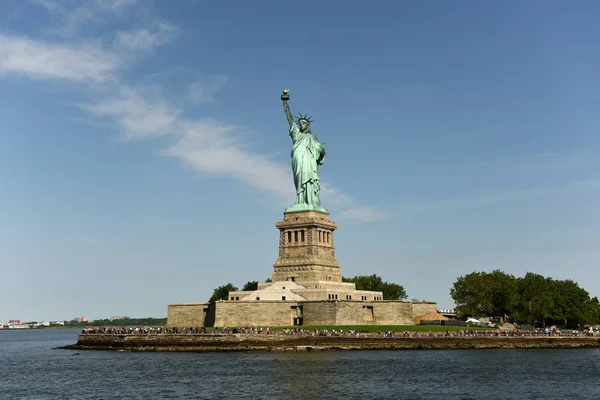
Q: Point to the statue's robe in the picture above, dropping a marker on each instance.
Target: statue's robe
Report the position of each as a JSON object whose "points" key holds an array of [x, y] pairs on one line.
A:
{"points": [[307, 154]]}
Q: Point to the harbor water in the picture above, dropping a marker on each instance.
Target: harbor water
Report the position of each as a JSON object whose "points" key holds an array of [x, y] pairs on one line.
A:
{"points": [[31, 369]]}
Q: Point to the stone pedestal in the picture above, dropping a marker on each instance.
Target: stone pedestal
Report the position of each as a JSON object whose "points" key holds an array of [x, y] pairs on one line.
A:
{"points": [[306, 248]]}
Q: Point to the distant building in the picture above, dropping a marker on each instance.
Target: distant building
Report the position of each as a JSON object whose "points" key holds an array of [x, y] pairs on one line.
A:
{"points": [[57, 322], [14, 321], [79, 319], [18, 326], [116, 317]]}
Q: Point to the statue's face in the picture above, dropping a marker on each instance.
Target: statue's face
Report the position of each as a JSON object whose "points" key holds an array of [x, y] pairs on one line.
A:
{"points": [[304, 125]]}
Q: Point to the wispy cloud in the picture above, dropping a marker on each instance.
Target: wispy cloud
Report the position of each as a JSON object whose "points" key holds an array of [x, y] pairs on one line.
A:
{"points": [[51, 5], [469, 202], [145, 39], [210, 147], [203, 91], [73, 18], [41, 60], [351, 209], [143, 112]]}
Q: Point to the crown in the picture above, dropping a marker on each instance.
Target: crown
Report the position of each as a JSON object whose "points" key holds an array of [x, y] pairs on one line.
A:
{"points": [[304, 117]]}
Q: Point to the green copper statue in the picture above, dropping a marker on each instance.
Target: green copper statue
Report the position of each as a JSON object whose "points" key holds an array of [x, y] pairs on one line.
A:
{"points": [[307, 154]]}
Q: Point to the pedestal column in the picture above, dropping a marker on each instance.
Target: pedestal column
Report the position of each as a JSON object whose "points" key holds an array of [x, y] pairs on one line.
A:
{"points": [[306, 258]]}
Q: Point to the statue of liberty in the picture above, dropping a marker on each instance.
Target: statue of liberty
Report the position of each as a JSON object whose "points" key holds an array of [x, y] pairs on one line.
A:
{"points": [[307, 154]]}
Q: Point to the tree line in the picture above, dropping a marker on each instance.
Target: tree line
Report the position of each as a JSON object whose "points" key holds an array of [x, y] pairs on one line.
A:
{"points": [[390, 290], [533, 299], [119, 322]]}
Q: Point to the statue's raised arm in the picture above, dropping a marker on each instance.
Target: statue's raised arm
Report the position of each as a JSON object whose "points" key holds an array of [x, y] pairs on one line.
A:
{"points": [[286, 107]]}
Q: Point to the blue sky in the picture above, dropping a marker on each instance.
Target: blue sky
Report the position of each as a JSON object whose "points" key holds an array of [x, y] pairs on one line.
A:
{"points": [[144, 154]]}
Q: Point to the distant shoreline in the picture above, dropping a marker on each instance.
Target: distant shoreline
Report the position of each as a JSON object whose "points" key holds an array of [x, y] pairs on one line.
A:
{"points": [[254, 342]]}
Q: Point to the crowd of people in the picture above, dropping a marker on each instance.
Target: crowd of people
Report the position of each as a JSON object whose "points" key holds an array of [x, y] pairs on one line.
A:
{"points": [[161, 330], [140, 330]]}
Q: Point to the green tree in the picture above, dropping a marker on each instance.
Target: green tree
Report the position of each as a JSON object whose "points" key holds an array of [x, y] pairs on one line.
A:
{"points": [[148, 321], [502, 289], [483, 294], [470, 294], [572, 304], [593, 312], [391, 291], [222, 292], [535, 298], [250, 286]]}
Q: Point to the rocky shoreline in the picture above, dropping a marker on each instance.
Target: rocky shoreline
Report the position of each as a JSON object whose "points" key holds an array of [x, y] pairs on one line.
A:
{"points": [[253, 342]]}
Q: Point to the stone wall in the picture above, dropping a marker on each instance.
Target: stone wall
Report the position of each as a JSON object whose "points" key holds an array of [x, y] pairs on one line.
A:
{"points": [[214, 342], [422, 308], [353, 313], [393, 312], [319, 312], [358, 313], [255, 313], [283, 313], [187, 315]]}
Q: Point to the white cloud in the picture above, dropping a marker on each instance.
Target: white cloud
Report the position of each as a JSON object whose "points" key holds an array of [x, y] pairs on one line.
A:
{"points": [[140, 112], [50, 5], [203, 91], [72, 19], [209, 146], [206, 145], [206, 148], [63, 5], [114, 5], [40, 60], [144, 39], [350, 208]]}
